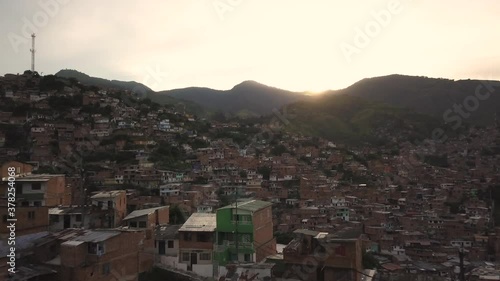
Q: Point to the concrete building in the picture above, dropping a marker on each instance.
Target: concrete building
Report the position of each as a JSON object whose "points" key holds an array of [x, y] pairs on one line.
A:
{"points": [[68, 217], [34, 194], [167, 244], [41, 190], [196, 243], [108, 209], [106, 255], [334, 256], [147, 218], [244, 232]]}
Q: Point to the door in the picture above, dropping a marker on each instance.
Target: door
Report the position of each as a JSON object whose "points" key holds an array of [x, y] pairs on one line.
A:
{"points": [[194, 259], [161, 246], [67, 221]]}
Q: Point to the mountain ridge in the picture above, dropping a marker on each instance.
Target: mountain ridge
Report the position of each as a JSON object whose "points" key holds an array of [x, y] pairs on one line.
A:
{"points": [[431, 96]]}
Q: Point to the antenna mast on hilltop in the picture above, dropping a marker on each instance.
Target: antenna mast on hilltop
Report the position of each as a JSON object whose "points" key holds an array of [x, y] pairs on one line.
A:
{"points": [[33, 52]]}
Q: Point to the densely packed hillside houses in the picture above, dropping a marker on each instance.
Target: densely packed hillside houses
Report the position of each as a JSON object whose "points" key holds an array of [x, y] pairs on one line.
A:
{"points": [[109, 186]]}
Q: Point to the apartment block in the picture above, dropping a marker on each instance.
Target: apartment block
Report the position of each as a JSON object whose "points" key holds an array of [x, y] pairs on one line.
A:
{"points": [[244, 232], [196, 243]]}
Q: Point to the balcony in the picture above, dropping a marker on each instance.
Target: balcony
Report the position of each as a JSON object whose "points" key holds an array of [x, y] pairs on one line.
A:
{"points": [[240, 222], [232, 245]]}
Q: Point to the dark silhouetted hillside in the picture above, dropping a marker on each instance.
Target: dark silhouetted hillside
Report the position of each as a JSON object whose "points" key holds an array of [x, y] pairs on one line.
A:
{"points": [[249, 98]]}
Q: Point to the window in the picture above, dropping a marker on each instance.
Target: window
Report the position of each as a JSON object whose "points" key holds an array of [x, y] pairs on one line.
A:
{"points": [[203, 237], [36, 186], [185, 256], [242, 219], [245, 238], [96, 248], [31, 215], [170, 244], [106, 268], [248, 258], [234, 257], [142, 224], [188, 236], [54, 218], [25, 203], [340, 251], [205, 256], [37, 203], [78, 218], [132, 224]]}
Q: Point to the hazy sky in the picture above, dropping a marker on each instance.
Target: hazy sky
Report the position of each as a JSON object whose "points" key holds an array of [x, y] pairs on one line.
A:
{"points": [[296, 45]]}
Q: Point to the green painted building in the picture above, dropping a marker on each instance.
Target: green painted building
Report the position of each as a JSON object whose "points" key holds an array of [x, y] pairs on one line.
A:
{"points": [[244, 232]]}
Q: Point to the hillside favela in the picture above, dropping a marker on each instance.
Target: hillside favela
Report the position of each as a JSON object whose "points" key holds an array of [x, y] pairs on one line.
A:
{"points": [[228, 140]]}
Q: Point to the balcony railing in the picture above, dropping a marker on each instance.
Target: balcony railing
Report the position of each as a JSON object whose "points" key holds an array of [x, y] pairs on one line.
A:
{"points": [[232, 244], [242, 222]]}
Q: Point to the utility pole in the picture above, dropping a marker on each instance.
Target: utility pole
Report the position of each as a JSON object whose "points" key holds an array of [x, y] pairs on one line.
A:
{"points": [[83, 176], [236, 227], [462, 269], [32, 50]]}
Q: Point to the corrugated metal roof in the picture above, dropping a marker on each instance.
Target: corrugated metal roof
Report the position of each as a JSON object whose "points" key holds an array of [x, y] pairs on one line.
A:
{"points": [[65, 210], [165, 232], [73, 243], [107, 194], [35, 177], [306, 232], [251, 205], [200, 222], [22, 242], [96, 236], [30, 271], [143, 212]]}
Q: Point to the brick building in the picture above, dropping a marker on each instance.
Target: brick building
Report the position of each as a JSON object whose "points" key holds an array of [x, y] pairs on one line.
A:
{"points": [[330, 256], [196, 243], [147, 218], [106, 255], [245, 232], [108, 208]]}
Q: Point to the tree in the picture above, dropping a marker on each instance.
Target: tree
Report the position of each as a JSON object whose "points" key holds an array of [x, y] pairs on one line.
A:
{"points": [[223, 199], [369, 261], [278, 150], [176, 215], [284, 237], [265, 171]]}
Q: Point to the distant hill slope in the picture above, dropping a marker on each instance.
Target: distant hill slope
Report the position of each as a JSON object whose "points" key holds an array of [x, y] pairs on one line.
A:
{"points": [[428, 95], [132, 86], [245, 98], [100, 82], [348, 118]]}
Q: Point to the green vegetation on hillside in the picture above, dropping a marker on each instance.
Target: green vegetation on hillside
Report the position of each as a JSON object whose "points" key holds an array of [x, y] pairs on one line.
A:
{"points": [[352, 119]]}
